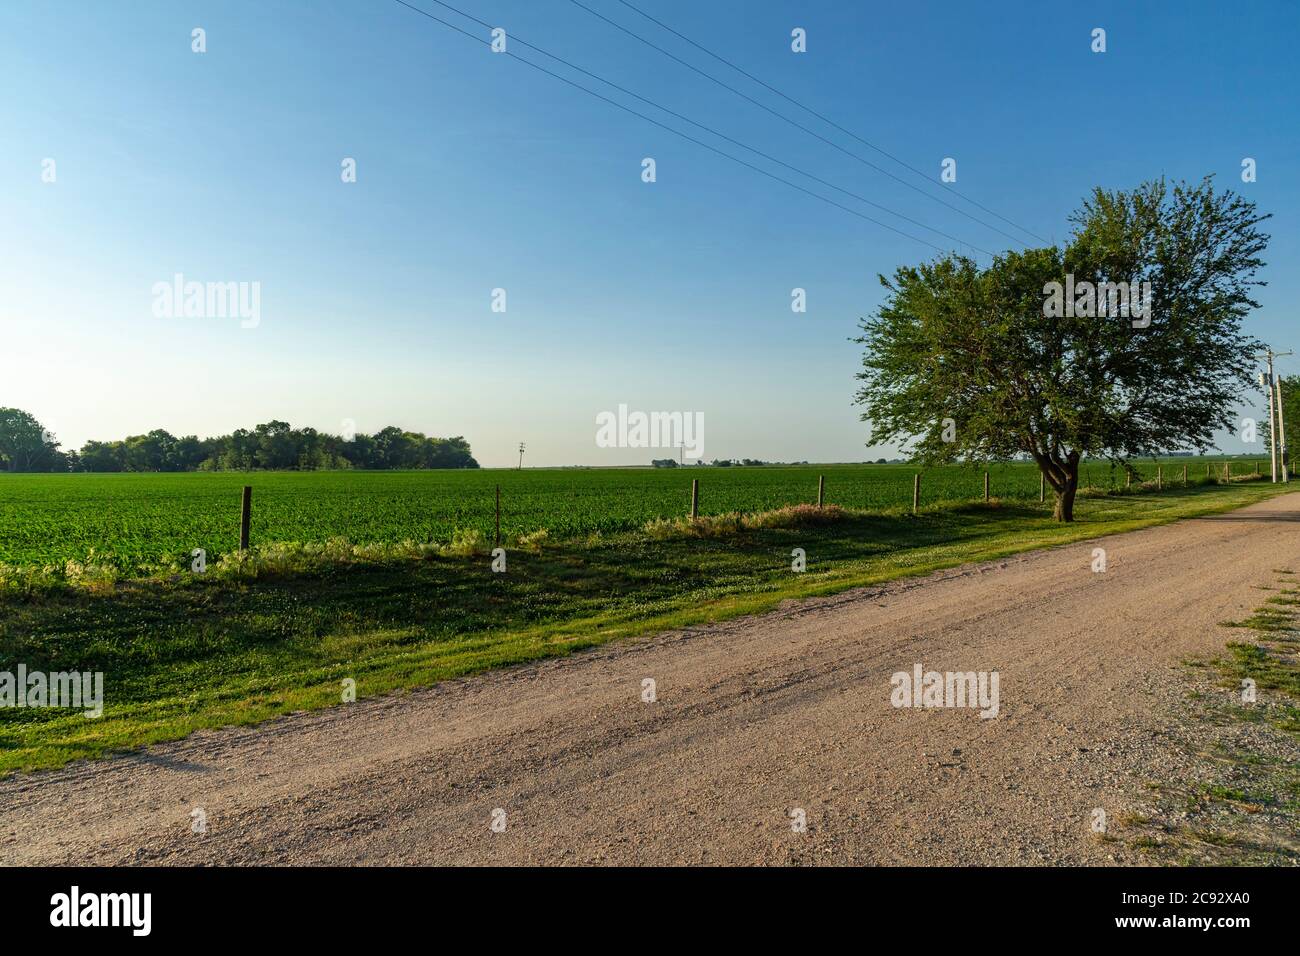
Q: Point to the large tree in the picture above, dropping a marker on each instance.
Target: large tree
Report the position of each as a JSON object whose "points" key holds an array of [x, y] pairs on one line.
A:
{"points": [[964, 363], [25, 445]]}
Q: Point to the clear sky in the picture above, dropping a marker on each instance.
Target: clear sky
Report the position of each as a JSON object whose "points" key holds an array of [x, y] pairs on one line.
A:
{"points": [[476, 172]]}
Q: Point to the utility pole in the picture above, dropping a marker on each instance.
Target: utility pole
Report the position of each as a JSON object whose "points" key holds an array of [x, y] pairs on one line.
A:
{"points": [[1274, 412], [1281, 424], [521, 456], [1272, 428]]}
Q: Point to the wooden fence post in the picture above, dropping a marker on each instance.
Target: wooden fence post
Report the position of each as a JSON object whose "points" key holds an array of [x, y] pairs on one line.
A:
{"points": [[245, 516], [1042, 487], [498, 544], [821, 490], [1128, 478], [1226, 473], [1160, 477], [986, 486], [1207, 469], [916, 492], [695, 498], [1184, 474]]}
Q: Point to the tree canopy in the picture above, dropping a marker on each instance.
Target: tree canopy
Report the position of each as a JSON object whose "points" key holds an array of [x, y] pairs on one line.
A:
{"points": [[963, 363], [25, 446]]}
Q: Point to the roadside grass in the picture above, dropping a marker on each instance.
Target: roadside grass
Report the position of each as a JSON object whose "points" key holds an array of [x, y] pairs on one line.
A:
{"points": [[1246, 809], [186, 651]]}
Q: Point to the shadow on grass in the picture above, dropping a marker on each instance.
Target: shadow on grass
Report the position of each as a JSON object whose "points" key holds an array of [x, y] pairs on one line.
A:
{"points": [[155, 639]]}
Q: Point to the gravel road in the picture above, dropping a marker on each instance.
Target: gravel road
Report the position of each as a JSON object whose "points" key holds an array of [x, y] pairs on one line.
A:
{"points": [[753, 721]]}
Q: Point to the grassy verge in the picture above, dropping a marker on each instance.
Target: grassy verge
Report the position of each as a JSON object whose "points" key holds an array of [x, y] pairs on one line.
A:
{"points": [[1238, 803], [189, 652]]}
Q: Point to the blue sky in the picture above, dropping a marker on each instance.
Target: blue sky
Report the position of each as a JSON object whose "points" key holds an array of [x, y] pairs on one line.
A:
{"points": [[475, 172]]}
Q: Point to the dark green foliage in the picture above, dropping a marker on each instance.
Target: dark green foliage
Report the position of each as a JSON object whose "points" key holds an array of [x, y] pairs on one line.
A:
{"points": [[976, 345], [273, 445]]}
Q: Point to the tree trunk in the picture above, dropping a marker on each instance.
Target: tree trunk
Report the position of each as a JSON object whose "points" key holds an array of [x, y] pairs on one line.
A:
{"points": [[1064, 510], [1064, 505], [1062, 473]]}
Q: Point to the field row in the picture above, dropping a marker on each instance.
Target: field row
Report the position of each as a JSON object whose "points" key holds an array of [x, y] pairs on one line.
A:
{"points": [[135, 520]]}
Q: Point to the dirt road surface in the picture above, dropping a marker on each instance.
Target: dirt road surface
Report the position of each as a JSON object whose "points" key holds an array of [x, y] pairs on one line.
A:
{"points": [[753, 721]]}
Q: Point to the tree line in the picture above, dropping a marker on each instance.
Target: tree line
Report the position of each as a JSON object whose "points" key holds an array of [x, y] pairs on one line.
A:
{"points": [[26, 446]]}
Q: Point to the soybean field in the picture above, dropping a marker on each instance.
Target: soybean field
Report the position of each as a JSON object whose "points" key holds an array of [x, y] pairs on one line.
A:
{"points": [[134, 521]]}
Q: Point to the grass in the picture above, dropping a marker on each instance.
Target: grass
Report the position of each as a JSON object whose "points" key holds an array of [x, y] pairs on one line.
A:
{"points": [[183, 652], [1245, 808]]}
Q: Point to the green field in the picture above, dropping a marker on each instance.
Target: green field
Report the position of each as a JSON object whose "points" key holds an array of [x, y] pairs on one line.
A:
{"points": [[139, 522]]}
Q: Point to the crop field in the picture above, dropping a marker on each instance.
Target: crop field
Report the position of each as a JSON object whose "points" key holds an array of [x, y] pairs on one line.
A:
{"points": [[135, 521]]}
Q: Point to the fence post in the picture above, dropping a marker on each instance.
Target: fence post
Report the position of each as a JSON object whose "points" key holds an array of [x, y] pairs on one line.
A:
{"points": [[1226, 473], [245, 516], [821, 490], [1042, 488], [986, 486], [1184, 474], [498, 544], [695, 498], [916, 492], [1160, 477], [1207, 469], [1257, 468], [1128, 478]]}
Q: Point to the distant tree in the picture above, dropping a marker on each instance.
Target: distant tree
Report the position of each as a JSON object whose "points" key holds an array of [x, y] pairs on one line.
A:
{"points": [[151, 452], [964, 363], [360, 450], [102, 456], [276, 445], [187, 454], [271, 445], [25, 445], [238, 451], [451, 453], [664, 462]]}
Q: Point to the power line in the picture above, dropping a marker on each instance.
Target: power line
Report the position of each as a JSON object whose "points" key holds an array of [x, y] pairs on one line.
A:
{"points": [[686, 119], [825, 119], [676, 132], [800, 126]]}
